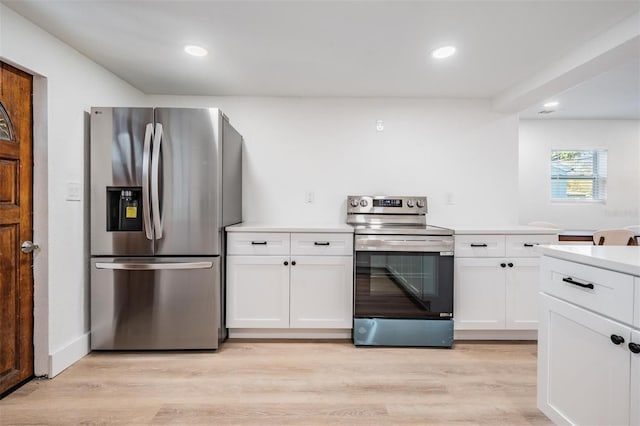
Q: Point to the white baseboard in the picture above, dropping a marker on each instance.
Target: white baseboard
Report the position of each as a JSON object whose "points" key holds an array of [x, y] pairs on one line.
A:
{"points": [[495, 334], [288, 333], [66, 356]]}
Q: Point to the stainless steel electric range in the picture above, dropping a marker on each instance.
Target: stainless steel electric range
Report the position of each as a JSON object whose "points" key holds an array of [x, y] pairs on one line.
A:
{"points": [[403, 293]]}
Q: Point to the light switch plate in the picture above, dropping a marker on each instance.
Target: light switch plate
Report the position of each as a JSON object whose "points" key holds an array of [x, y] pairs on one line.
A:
{"points": [[74, 191]]}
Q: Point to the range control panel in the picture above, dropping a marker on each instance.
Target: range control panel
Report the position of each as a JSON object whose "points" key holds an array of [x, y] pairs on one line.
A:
{"points": [[383, 204]]}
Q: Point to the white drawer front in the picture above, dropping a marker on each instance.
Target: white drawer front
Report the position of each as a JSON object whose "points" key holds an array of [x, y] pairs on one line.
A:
{"points": [[524, 245], [321, 244], [606, 292], [259, 243], [479, 246]]}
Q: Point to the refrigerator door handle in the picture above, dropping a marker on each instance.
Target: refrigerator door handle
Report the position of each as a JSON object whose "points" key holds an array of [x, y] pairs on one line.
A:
{"points": [[137, 266], [155, 181], [146, 160]]}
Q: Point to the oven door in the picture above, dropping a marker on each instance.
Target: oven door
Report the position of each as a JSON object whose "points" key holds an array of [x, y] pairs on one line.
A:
{"points": [[393, 283]]}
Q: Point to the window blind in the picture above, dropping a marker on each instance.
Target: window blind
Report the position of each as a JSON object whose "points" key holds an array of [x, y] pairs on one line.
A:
{"points": [[579, 175]]}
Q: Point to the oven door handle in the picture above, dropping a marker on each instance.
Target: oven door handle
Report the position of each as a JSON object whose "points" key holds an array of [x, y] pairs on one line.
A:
{"points": [[420, 245]]}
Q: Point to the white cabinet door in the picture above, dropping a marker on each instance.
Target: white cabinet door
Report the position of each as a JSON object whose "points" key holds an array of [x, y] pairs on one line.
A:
{"points": [[583, 377], [635, 379], [479, 296], [322, 292], [258, 291], [521, 292]]}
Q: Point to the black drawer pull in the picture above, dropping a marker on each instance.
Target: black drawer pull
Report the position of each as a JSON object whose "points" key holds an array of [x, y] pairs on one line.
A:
{"points": [[258, 243], [478, 245], [617, 339], [530, 244], [634, 347], [579, 284], [321, 243]]}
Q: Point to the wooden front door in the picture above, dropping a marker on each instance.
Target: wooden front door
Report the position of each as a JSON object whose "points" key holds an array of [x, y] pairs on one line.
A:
{"points": [[16, 226]]}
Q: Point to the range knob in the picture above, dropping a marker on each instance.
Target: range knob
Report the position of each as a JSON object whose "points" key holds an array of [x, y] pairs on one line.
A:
{"points": [[354, 203], [420, 203], [410, 203], [363, 203]]}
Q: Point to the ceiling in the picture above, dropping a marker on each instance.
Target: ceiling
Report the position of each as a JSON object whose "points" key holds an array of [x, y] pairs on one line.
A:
{"points": [[333, 48], [613, 94]]}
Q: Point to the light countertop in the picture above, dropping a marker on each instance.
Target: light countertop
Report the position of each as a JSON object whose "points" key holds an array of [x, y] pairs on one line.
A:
{"points": [[508, 229], [625, 259], [264, 227], [344, 228]]}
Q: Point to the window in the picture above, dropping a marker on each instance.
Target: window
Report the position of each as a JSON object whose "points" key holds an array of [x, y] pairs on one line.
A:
{"points": [[578, 175], [6, 130]]}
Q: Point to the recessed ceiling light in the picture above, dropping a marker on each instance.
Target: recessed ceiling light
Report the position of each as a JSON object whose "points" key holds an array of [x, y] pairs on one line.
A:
{"points": [[443, 52], [551, 104], [194, 50]]}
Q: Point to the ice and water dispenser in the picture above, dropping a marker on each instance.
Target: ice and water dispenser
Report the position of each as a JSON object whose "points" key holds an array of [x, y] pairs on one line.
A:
{"points": [[124, 208]]}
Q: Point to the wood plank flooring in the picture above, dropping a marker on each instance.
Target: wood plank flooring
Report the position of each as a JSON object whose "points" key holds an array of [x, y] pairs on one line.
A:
{"points": [[284, 383]]}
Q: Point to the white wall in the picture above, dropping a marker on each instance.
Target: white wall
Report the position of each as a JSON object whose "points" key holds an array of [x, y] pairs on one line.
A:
{"points": [[447, 149], [330, 146], [66, 86], [622, 140]]}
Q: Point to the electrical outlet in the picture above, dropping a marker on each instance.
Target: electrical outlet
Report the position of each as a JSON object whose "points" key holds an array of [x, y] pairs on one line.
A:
{"points": [[74, 191], [449, 196], [308, 197]]}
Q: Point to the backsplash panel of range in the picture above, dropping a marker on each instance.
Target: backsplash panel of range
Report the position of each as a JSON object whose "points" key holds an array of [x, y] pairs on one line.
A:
{"points": [[403, 273]]}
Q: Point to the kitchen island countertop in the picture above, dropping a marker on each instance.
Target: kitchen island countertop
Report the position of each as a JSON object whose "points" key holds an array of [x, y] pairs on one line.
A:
{"points": [[625, 259]]}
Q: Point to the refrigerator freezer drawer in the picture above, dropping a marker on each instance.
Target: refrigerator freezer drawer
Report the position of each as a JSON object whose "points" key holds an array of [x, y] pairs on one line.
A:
{"points": [[155, 303]]}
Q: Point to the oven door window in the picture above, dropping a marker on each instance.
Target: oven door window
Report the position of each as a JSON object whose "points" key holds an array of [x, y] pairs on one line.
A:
{"points": [[403, 285]]}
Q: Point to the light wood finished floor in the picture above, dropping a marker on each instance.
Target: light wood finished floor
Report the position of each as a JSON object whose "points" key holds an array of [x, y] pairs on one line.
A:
{"points": [[301, 383]]}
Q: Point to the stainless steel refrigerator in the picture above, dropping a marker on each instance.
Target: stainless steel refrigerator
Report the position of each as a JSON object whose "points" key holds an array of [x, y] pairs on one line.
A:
{"points": [[164, 184]]}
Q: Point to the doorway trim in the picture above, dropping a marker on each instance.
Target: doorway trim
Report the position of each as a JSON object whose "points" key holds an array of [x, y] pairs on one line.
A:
{"points": [[41, 362]]}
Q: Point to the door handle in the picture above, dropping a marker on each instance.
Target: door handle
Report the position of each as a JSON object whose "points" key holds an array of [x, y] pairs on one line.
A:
{"points": [[617, 339], [146, 161], [28, 247], [577, 283], [136, 266], [155, 181]]}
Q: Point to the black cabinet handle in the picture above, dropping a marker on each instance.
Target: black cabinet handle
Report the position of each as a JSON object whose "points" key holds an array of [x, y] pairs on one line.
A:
{"points": [[293, 263], [530, 244], [634, 347], [579, 284], [503, 265], [617, 339], [478, 245], [510, 265], [258, 243], [323, 243], [286, 263]]}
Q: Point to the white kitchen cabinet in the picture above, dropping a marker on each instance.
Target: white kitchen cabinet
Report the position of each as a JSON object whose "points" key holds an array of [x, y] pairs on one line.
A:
{"points": [[297, 280], [257, 291], [496, 281], [635, 372], [521, 294], [586, 377], [588, 368], [321, 293], [479, 295]]}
